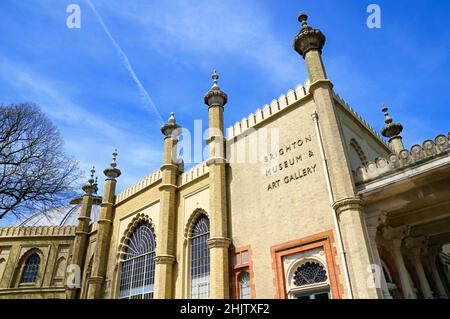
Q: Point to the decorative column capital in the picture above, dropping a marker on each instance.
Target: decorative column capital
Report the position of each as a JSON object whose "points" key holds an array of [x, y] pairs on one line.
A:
{"points": [[351, 203], [219, 242], [376, 219], [165, 260], [396, 234], [308, 38]]}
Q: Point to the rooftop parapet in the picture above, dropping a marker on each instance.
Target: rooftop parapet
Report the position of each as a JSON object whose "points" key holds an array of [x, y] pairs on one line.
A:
{"points": [[140, 185], [419, 154], [360, 119], [268, 110], [192, 174], [38, 231]]}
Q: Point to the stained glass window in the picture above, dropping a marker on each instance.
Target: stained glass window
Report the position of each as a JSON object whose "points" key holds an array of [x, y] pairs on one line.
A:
{"points": [[200, 268], [310, 273], [138, 268], [31, 269], [244, 286]]}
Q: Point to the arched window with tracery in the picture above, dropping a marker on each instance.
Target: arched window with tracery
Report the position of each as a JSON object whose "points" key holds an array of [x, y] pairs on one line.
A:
{"points": [[200, 260], [244, 286], [138, 267], [31, 269], [310, 281]]}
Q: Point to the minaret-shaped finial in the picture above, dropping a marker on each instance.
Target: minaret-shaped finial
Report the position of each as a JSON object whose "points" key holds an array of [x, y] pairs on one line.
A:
{"points": [[171, 128], [96, 185], [215, 96], [89, 187], [112, 172], [303, 19], [215, 78], [388, 119], [392, 131], [308, 38]]}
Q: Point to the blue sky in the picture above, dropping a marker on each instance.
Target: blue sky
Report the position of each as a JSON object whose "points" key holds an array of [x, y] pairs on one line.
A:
{"points": [[80, 81]]}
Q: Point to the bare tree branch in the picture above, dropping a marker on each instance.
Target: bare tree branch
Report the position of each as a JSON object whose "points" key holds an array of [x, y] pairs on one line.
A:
{"points": [[35, 172]]}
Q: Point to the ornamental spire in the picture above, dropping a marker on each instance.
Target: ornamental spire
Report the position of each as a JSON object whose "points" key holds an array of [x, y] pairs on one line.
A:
{"points": [[392, 131], [112, 172], [215, 96], [90, 188], [308, 38], [171, 128]]}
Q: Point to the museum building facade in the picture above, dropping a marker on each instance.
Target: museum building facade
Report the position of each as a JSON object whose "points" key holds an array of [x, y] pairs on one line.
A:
{"points": [[327, 210]]}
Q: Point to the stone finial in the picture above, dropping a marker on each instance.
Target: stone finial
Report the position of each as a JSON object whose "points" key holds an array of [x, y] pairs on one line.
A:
{"points": [[215, 96], [112, 172], [308, 38], [171, 128], [391, 130], [90, 187], [96, 185]]}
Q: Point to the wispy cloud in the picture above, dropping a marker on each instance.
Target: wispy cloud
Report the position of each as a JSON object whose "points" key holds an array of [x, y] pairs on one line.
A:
{"points": [[89, 137], [213, 32], [126, 63]]}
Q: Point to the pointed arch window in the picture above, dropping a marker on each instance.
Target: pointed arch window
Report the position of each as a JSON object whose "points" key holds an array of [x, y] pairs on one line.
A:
{"points": [[31, 269], [200, 259], [138, 268]]}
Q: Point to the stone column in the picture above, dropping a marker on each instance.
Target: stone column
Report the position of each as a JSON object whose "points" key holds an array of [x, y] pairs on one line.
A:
{"points": [[373, 222], [396, 236], [350, 215], [219, 242], [415, 245], [309, 44], [104, 232], [432, 254], [80, 243], [165, 248]]}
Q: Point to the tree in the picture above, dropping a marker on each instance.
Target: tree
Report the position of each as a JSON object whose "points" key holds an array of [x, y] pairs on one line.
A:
{"points": [[35, 172]]}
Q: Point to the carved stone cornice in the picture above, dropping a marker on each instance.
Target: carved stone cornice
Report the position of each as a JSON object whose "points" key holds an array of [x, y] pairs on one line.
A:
{"points": [[219, 242]]}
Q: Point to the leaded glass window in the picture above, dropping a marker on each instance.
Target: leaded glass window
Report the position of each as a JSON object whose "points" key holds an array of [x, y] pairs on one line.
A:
{"points": [[310, 273], [31, 269], [200, 268], [244, 286], [138, 268]]}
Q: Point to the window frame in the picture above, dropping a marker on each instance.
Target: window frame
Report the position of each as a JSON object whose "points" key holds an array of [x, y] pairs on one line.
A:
{"points": [[238, 267], [207, 235], [134, 261]]}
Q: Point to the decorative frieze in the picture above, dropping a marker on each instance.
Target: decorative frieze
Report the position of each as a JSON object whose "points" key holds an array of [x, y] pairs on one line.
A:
{"points": [[418, 154]]}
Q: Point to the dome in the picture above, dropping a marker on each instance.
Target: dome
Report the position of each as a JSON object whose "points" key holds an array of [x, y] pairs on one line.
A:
{"points": [[66, 215]]}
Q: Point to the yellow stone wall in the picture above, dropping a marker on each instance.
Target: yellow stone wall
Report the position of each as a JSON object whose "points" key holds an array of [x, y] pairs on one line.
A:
{"points": [[53, 245]]}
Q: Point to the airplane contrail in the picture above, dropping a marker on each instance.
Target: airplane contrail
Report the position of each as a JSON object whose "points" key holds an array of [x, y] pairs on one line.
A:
{"points": [[126, 63]]}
